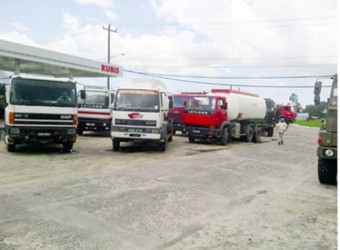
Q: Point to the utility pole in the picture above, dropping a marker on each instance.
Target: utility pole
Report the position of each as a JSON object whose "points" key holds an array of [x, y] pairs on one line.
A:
{"points": [[108, 49]]}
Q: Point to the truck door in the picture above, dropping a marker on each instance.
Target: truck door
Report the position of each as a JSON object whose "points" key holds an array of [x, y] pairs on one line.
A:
{"points": [[221, 111]]}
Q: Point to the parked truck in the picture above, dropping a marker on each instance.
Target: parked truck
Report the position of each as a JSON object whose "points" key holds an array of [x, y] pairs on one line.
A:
{"points": [[177, 112], [270, 118], [327, 150], [224, 115], [140, 114], [94, 109], [2, 100], [40, 110], [287, 112]]}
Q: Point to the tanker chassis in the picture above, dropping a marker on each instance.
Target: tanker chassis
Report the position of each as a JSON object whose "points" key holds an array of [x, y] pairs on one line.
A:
{"points": [[224, 115]]}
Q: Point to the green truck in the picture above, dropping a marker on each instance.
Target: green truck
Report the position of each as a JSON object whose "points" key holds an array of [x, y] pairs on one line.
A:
{"points": [[327, 150]]}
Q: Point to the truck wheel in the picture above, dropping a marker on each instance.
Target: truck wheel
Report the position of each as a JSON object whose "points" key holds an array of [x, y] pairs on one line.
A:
{"points": [[115, 144], [67, 147], [174, 132], [191, 139], [10, 147], [163, 145], [327, 171], [170, 137], [225, 136], [270, 132], [250, 134], [257, 135], [80, 132]]}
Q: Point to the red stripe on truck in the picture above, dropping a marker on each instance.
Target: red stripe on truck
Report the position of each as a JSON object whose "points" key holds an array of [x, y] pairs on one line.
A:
{"points": [[94, 113]]}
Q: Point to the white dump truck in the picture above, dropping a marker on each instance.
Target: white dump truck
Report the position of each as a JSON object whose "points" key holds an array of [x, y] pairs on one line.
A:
{"points": [[94, 109], [140, 113], [40, 110], [224, 115]]}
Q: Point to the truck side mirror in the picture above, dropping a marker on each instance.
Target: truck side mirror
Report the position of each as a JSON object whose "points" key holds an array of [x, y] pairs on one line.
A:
{"points": [[171, 102], [225, 106], [82, 94]]}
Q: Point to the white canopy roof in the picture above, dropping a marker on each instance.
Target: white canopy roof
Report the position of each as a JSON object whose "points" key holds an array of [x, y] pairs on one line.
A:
{"points": [[31, 60]]}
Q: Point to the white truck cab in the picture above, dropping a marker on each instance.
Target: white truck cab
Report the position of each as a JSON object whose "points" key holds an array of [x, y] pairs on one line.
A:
{"points": [[140, 113], [94, 109], [40, 110]]}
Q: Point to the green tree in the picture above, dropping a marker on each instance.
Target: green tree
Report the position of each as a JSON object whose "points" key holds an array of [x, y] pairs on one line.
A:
{"points": [[316, 110]]}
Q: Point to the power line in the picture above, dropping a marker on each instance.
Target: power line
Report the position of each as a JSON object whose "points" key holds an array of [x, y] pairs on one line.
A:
{"points": [[232, 66], [229, 84], [229, 77]]}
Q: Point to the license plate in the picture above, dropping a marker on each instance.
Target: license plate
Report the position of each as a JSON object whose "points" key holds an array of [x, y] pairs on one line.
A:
{"points": [[135, 130], [44, 134]]}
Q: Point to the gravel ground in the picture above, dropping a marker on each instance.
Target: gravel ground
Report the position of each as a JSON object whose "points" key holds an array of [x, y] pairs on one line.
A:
{"points": [[193, 196]]}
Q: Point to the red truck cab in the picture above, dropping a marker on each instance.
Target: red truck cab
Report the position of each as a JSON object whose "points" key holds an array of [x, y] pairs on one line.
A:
{"points": [[288, 113], [204, 116], [177, 113]]}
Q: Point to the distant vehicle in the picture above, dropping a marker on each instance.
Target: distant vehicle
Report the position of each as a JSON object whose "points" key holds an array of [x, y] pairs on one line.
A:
{"points": [[40, 110], [94, 109], [2, 99], [327, 151], [140, 114], [223, 115], [270, 119], [288, 113], [177, 112]]}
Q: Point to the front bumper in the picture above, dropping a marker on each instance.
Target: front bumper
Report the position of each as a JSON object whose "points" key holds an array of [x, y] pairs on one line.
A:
{"points": [[202, 132], [93, 125], [20, 135]]}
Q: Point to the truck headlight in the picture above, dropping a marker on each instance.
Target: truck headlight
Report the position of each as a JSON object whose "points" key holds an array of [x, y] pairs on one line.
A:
{"points": [[15, 131], [71, 131], [329, 152]]}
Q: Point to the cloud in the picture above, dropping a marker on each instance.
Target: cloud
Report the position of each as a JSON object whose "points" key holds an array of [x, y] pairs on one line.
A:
{"points": [[19, 37], [100, 3], [110, 15], [223, 38], [20, 26]]}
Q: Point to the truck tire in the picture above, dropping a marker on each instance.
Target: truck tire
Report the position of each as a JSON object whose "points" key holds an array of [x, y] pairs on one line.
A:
{"points": [[250, 134], [170, 136], [67, 147], [163, 146], [327, 171], [10, 147], [80, 132], [225, 136], [270, 132], [191, 139], [257, 135], [115, 144]]}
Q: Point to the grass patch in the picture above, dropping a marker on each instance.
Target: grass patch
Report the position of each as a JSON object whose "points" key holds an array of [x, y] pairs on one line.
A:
{"points": [[311, 123]]}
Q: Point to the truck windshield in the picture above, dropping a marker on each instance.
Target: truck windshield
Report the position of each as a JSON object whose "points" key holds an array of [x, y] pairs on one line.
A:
{"points": [[137, 100], [201, 103], [97, 98], [179, 101], [38, 92]]}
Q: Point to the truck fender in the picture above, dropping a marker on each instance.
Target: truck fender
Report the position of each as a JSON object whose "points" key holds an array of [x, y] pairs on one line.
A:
{"points": [[164, 130], [222, 126]]}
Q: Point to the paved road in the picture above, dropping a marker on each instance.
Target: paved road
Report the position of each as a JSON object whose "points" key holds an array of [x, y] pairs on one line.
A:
{"points": [[193, 196]]}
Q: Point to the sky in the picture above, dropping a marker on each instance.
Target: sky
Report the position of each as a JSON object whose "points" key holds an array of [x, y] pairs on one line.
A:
{"points": [[257, 46]]}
